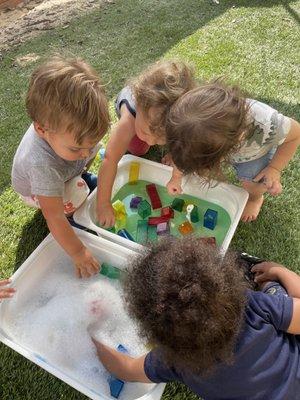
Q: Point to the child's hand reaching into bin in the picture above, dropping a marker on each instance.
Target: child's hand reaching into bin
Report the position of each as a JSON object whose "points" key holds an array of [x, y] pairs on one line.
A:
{"points": [[6, 292]]}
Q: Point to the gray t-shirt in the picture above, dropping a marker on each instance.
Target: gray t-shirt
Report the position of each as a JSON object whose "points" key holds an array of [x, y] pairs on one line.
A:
{"points": [[38, 170]]}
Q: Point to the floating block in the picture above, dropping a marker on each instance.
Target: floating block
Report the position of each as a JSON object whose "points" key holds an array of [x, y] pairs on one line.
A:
{"points": [[119, 208], [112, 229], [125, 234], [144, 209], [157, 220], [142, 231], [120, 222], [177, 204], [115, 386], [195, 215], [163, 228], [110, 271], [135, 201], [185, 228], [209, 240], [167, 212], [134, 171], [151, 233], [154, 196], [210, 219]]}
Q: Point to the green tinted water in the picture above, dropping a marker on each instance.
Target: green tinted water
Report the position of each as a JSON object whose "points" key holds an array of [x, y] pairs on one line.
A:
{"points": [[128, 191]]}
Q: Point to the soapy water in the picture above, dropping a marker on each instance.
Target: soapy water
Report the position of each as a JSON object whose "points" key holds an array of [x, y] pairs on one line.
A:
{"points": [[55, 321]]}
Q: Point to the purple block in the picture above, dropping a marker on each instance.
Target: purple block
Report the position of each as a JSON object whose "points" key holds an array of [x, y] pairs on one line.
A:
{"points": [[163, 228], [135, 201]]}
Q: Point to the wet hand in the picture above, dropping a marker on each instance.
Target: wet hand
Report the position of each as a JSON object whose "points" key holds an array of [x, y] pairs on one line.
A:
{"points": [[270, 177], [174, 186], [85, 263], [106, 215], [6, 292]]}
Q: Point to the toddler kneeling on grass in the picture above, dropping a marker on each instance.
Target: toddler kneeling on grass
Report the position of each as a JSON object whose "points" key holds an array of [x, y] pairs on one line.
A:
{"points": [[210, 331], [69, 110]]}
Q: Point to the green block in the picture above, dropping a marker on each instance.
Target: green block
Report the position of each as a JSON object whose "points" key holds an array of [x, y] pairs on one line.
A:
{"points": [[152, 233], [112, 229], [177, 204], [110, 271], [142, 231], [195, 215], [144, 209]]}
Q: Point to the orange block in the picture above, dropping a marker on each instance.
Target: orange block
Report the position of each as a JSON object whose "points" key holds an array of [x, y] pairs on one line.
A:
{"points": [[185, 228]]}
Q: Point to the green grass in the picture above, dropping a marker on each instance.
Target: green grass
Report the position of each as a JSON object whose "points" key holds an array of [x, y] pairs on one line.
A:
{"points": [[252, 42]]}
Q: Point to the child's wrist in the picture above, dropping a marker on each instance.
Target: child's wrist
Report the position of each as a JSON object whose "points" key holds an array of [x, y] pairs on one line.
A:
{"points": [[276, 169]]}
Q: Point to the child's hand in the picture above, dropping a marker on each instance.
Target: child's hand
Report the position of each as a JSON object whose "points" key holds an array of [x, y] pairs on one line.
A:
{"points": [[6, 292], [167, 160], [174, 186], [86, 264], [266, 271], [106, 215], [270, 177]]}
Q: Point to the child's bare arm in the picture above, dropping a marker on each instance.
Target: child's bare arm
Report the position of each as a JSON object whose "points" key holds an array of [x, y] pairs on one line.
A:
{"points": [[52, 208], [283, 155], [121, 365], [174, 184], [270, 271], [118, 143], [6, 292]]}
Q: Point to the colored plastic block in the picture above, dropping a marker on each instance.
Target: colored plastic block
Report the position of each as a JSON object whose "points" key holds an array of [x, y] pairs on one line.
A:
{"points": [[142, 231], [134, 171], [163, 228], [112, 229], [119, 208], [154, 196], [110, 271], [151, 233], [125, 234], [209, 240], [115, 386], [144, 209], [121, 220], [195, 215], [177, 204], [135, 201], [167, 212], [210, 219], [185, 228], [157, 220]]}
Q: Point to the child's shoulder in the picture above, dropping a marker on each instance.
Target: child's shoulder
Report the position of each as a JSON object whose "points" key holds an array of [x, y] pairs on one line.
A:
{"points": [[263, 113]]}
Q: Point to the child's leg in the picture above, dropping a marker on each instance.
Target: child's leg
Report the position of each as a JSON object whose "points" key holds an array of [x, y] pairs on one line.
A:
{"points": [[138, 147]]}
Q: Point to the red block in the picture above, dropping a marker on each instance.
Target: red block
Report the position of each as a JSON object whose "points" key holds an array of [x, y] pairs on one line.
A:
{"points": [[154, 196], [157, 220], [167, 212]]}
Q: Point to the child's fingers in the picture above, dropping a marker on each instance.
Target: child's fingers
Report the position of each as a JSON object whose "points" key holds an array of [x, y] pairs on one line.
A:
{"points": [[5, 282], [6, 293], [259, 177]]}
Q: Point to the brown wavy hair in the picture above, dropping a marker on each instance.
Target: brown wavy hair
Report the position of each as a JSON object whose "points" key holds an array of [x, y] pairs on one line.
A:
{"points": [[159, 86], [188, 301], [205, 128], [67, 94]]}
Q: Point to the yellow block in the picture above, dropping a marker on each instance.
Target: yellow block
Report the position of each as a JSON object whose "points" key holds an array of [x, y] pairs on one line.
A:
{"points": [[134, 172], [119, 207]]}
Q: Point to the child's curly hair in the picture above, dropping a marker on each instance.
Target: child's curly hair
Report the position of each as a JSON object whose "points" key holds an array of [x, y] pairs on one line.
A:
{"points": [[189, 301], [159, 86], [205, 128]]}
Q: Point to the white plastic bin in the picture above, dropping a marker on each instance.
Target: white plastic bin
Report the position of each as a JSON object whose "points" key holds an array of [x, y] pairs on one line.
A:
{"points": [[232, 198], [27, 278]]}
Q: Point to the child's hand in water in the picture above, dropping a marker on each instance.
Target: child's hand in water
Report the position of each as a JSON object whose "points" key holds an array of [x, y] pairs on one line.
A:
{"points": [[174, 186], [86, 264], [6, 292], [106, 215], [270, 177]]}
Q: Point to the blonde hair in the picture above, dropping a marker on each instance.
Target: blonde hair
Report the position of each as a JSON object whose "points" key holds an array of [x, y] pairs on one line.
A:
{"points": [[159, 86], [205, 127], [67, 94]]}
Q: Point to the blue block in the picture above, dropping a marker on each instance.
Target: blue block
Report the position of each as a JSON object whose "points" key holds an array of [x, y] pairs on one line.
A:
{"points": [[125, 234], [210, 219], [115, 386]]}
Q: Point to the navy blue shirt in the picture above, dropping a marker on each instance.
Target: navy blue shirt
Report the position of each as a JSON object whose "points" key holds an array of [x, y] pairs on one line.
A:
{"points": [[266, 365]]}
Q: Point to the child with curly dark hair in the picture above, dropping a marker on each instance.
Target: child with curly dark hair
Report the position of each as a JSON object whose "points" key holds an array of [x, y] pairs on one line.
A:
{"points": [[215, 124], [210, 331]]}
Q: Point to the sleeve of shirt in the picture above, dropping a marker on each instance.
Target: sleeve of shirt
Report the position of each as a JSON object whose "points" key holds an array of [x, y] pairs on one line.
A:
{"points": [[46, 181], [156, 368], [125, 97], [276, 309]]}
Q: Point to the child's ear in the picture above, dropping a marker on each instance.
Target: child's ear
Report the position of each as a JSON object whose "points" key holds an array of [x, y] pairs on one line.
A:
{"points": [[39, 129]]}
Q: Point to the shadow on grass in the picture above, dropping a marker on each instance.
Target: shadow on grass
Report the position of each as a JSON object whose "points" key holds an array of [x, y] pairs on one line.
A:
{"points": [[32, 235]]}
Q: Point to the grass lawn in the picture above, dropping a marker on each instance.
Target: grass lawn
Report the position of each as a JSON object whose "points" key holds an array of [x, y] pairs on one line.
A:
{"points": [[252, 42]]}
